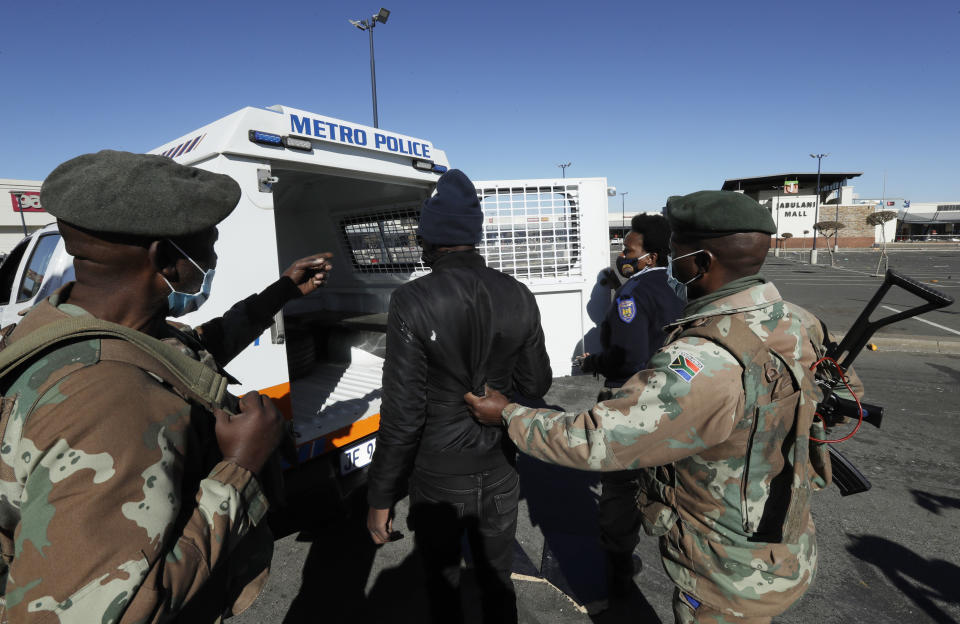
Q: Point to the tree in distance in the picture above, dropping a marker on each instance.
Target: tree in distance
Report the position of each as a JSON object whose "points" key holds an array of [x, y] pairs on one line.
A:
{"points": [[880, 218], [825, 227]]}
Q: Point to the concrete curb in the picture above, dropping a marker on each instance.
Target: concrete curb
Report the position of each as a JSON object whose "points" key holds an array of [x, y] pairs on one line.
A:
{"points": [[917, 344]]}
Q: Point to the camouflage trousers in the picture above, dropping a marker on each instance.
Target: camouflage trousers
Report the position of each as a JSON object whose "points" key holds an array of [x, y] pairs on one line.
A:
{"points": [[684, 612]]}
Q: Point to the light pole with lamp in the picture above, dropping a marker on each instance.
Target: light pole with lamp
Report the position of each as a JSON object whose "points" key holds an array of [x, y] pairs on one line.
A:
{"points": [[816, 208], [368, 25], [563, 169]]}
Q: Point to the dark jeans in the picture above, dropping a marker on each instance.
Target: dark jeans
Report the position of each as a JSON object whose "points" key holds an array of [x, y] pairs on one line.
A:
{"points": [[484, 505], [617, 511]]}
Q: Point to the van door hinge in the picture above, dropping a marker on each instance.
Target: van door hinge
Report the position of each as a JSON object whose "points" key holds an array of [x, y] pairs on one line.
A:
{"points": [[277, 330], [265, 181]]}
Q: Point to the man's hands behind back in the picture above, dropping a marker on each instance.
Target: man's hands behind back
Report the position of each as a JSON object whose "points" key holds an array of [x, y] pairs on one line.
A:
{"points": [[488, 409]]}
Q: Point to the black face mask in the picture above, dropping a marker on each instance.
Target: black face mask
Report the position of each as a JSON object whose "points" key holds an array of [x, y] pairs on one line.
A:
{"points": [[629, 266], [626, 266]]}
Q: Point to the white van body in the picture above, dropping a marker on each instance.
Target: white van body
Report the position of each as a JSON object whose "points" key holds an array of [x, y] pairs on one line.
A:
{"points": [[311, 183]]}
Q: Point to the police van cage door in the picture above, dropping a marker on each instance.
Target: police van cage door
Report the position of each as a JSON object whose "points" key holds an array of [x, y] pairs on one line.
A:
{"points": [[529, 232]]}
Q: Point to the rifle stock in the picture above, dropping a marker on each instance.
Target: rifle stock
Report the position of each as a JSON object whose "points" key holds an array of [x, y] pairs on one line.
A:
{"points": [[847, 478], [833, 408]]}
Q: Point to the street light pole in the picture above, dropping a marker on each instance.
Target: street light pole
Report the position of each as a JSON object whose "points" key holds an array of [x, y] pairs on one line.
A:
{"points": [[373, 78], [563, 169], [623, 218], [368, 26], [776, 246], [816, 208]]}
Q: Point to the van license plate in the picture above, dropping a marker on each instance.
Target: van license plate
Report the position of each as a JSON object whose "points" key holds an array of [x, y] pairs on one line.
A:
{"points": [[357, 456]]}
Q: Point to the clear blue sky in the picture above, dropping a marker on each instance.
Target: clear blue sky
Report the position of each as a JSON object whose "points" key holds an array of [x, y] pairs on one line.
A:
{"points": [[660, 98]]}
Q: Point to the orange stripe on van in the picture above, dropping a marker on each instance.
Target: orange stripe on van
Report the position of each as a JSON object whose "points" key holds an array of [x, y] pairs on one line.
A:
{"points": [[346, 435], [326, 443], [281, 396]]}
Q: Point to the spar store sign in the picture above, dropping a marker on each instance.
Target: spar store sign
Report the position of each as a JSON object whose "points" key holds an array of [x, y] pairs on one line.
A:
{"points": [[26, 201]]}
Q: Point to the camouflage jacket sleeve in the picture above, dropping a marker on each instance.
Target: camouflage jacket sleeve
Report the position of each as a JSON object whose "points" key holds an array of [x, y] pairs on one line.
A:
{"points": [[689, 399], [119, 520]]}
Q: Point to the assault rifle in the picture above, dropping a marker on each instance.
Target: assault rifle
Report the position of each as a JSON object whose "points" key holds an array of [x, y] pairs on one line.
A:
{"points": [[835, 409]]}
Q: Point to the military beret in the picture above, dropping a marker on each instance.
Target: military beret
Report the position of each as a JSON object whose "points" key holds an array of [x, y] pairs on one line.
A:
{"points": [[708, 214], [138, 194]]}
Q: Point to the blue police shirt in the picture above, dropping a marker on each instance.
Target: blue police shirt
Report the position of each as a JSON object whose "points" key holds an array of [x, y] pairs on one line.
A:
{"points": [[633, 328]]}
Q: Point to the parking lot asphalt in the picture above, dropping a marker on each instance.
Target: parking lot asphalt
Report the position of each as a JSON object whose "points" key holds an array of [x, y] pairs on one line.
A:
{"points": [[837, 289], [837, 293], [887, 555]]}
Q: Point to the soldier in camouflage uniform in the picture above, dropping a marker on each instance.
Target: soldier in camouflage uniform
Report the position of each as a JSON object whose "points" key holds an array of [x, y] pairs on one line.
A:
{"points": [[722, 418], [122, 500]]}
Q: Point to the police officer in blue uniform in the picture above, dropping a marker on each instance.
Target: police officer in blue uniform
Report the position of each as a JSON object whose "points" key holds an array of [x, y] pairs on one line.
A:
{"points": [[630, 334]]}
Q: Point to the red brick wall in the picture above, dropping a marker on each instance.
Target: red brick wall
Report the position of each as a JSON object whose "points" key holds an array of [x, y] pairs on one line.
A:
{"points": [[856, 233]]}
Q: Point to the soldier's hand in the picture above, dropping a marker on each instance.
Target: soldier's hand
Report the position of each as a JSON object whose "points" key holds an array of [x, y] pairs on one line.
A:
{"points": [[249, 437], [310, 273], [488, 409], [380, 525]]}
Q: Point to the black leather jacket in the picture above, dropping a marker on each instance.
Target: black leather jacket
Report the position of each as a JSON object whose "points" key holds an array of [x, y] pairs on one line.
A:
{"points": [[448, 333]]}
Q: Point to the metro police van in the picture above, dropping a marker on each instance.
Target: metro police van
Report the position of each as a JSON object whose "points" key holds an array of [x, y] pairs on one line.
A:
{"points": [[312, 183]]}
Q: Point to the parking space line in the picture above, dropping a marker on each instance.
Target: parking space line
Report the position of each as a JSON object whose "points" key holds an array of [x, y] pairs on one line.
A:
{"points": [[917, 318]]}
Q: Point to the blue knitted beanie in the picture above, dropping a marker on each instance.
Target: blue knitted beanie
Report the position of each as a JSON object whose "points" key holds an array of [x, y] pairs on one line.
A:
{"points": [[453, 215]]}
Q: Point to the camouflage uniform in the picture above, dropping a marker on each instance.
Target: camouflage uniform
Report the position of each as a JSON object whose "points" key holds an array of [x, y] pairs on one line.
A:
{"points": [[115, 505], [724, 412]]}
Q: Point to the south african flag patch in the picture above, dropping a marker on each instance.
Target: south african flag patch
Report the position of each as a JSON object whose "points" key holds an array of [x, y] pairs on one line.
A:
{"points": [[686, 366]]}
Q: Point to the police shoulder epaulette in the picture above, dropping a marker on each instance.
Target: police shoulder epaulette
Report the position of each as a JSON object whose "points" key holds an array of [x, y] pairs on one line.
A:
{"points": [[628, 287]]}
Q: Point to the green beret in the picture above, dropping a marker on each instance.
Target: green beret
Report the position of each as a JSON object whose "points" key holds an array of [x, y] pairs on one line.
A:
{"points": [[138, 194], [708, 214]]}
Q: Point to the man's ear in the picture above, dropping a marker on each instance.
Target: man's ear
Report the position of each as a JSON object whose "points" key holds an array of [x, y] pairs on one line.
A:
{"points": [[163, 261], [704, 260]]}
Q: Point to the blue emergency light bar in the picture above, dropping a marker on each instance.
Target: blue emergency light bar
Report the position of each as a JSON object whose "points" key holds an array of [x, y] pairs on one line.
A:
{"points": [[276, 140], [265, 138]]}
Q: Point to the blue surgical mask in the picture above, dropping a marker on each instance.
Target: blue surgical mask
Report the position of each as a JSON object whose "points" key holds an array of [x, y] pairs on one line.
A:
{"points": [[181, 303], [673, 282], [680, 287]]}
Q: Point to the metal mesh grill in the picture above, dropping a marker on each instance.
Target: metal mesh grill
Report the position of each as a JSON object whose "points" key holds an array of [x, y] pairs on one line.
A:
{"points": [[385, 242], [528, 232], [532, 232]]}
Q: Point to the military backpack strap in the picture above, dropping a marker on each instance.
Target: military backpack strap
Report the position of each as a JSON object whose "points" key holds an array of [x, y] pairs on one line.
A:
{"points": [[193, 378]]}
